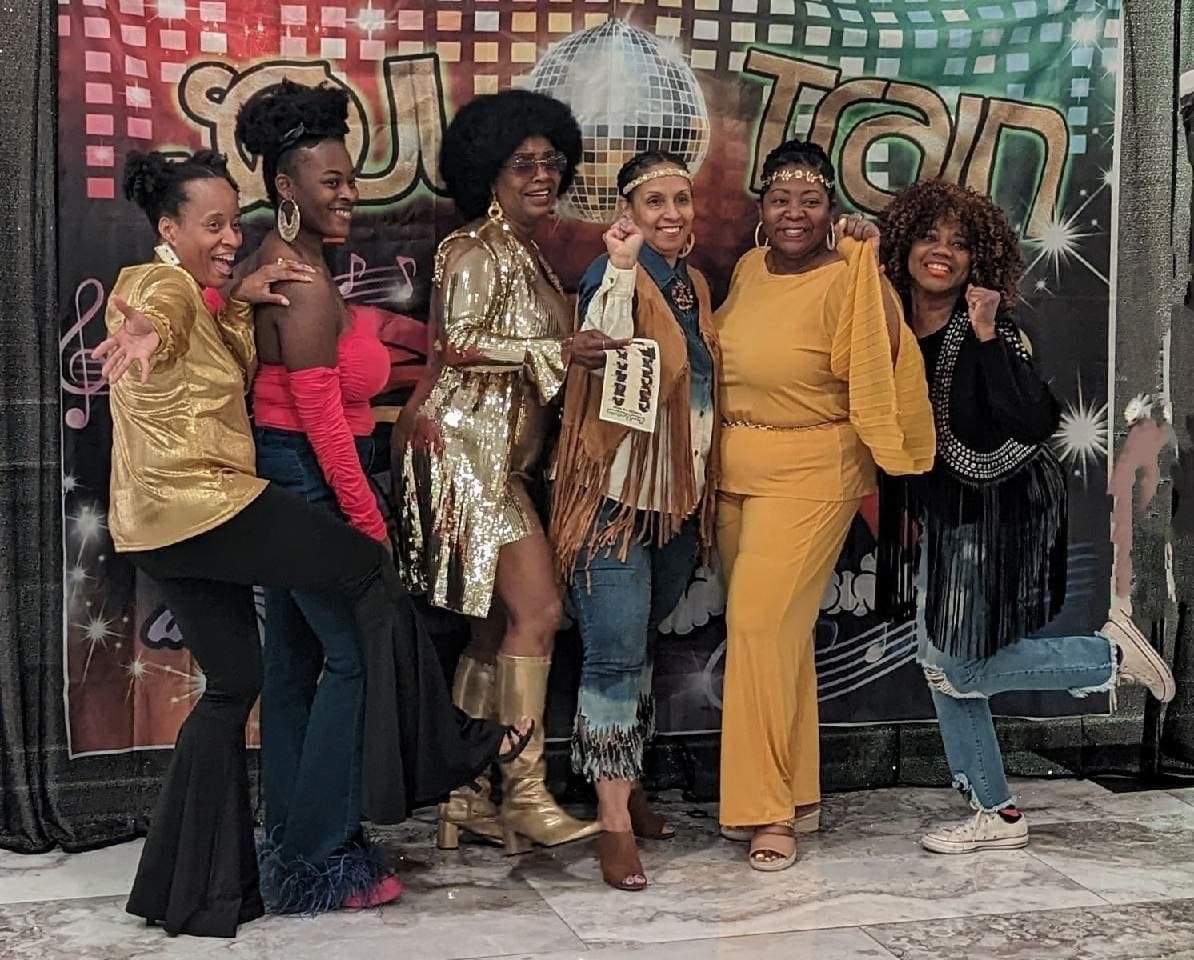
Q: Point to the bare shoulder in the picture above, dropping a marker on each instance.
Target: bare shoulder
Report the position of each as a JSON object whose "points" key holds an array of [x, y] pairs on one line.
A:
{"points": [[314, 302]]}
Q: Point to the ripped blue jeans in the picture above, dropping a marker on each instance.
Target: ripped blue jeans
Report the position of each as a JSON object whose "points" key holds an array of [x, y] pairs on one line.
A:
{"points": [[960, 688]]}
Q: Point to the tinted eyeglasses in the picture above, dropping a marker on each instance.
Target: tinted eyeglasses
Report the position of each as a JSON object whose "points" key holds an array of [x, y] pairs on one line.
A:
{"points": [[525, 164]]}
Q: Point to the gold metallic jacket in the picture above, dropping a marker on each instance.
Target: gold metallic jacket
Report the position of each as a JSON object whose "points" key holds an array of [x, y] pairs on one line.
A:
{"points": [[461, 504], [183, 460]]}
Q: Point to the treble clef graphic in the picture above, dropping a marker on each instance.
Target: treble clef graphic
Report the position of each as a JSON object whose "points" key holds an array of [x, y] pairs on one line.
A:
{"points": [[80, 372]]}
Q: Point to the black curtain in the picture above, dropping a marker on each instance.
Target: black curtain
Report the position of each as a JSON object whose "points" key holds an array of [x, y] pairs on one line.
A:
{"points": [[30, 526], [45, 800]]}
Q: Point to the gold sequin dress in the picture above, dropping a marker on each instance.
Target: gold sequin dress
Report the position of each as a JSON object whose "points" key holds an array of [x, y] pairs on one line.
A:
{"points": [[502, 320]]}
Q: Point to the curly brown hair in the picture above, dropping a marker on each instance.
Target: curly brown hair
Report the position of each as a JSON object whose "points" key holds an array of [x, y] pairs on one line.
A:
{"points": [[995, 260]]}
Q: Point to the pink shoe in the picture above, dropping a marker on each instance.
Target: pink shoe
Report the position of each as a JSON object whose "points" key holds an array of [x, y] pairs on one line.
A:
{"points": [[388, 889]]}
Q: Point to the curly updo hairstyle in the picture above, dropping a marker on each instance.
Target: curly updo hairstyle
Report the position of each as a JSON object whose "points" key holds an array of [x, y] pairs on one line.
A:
{"points": [[158, 185], [640, 163], [279, 119], [485, 133], [801, 153], [995, 260]]}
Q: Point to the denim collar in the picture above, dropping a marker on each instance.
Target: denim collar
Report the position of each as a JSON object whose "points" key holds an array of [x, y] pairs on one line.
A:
{"points": [[658, 269]]}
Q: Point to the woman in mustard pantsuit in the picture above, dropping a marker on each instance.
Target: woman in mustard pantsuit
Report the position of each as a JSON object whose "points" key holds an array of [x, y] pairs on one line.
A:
{"points": [[821, 380]]}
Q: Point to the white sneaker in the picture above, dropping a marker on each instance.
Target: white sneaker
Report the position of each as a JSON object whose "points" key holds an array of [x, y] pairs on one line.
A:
{"points": [[984, 831], [1139, 661]]}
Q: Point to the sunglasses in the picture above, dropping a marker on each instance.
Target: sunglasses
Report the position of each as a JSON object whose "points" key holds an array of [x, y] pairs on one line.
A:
{"points": [[525, 163]]}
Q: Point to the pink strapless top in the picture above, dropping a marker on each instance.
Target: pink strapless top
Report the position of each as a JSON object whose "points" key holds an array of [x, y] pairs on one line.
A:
{"points": [[363, 366]]}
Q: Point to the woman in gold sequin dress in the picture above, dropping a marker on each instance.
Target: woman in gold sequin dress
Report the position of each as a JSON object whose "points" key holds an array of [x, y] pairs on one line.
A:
{"points": [[472, 539]]}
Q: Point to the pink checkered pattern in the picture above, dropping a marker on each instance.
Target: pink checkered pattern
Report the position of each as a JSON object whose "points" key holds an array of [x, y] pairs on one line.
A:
{"points": [[133, 53]]}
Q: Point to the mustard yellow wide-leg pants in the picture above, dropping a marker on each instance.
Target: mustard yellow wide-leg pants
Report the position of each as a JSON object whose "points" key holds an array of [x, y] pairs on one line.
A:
{"points": [[778, 555]]}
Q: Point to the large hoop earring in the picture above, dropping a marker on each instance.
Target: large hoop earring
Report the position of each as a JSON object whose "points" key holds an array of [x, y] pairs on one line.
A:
{"points": [[288, 223], [831, 237], [688, 246], [495, 211], [764, 243]]}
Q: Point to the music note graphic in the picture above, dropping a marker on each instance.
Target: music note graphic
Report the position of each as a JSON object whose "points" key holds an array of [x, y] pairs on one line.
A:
{"points": [[356, 265], [80, 372], [404, 289]]}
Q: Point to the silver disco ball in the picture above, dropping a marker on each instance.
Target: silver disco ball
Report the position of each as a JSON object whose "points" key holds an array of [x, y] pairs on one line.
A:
{"points": [[629, 95]]}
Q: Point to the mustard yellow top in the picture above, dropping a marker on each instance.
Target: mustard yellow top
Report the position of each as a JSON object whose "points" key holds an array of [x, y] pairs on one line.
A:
{"points": [[183, 460], [810, 397]]}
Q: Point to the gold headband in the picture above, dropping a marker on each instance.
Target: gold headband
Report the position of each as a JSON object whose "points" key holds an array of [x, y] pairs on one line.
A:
{"points": [[800, 173], [655, 174]]}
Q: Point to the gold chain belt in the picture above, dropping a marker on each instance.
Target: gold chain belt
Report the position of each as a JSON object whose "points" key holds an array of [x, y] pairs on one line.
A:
{"points": [[750, 425]]}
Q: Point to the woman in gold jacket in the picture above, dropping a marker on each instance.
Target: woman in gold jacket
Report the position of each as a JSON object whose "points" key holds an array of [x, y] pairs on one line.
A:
{"points": [[472, 539], [820, 381], [188, 509]]}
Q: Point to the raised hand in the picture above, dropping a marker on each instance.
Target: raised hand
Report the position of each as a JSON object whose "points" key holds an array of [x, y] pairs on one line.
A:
{"points": [[982, 304], [858, 228], [134, 343], [256, 287], [623, 241]]}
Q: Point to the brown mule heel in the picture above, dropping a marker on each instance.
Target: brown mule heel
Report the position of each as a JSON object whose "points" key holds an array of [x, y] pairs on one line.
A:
{"points": [[646, 823], [620, 865]]}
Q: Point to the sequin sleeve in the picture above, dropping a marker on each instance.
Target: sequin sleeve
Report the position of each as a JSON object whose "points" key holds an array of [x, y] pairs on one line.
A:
{"points": [[166, 296], [235, 320], [470, 286], [889, 403]]}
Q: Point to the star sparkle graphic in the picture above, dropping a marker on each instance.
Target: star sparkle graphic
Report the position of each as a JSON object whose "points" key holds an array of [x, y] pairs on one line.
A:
{"points": [[370, 19], [96, 632], [87, 524], [1081, 440], [1059, 242]]}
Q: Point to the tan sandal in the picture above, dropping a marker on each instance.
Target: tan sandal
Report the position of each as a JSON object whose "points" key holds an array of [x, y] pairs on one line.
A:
{"points": [[767, 858], [807, 822]]}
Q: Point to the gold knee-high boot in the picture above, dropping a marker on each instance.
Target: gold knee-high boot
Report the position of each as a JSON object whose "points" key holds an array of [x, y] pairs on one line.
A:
{"points": [[470, 808], [530, 813]]}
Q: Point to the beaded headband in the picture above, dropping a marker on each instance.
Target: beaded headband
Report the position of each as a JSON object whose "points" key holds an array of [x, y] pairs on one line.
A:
{"points": [[800, 173], [655, 174]]}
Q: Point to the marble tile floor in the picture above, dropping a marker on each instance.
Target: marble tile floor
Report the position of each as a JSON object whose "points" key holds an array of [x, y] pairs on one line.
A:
{"points": [[1108, 876]]}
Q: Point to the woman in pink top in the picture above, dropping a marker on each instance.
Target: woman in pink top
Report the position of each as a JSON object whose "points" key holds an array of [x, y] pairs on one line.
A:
{"points": [[349, 725], [313, 430], [312, 699]]}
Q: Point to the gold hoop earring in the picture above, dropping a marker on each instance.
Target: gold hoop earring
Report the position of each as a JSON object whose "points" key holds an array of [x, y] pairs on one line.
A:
{"points": [[688, 246], [764, 242], [831, 237], [495, 211], [288, 223]]}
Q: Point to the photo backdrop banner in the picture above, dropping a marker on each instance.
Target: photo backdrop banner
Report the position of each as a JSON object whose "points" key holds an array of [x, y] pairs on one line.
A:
{"points": [[1017, 98]]}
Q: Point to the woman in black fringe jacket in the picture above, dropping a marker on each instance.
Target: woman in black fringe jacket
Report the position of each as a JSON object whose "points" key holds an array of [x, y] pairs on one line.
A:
{"points": [[982, 539]]}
